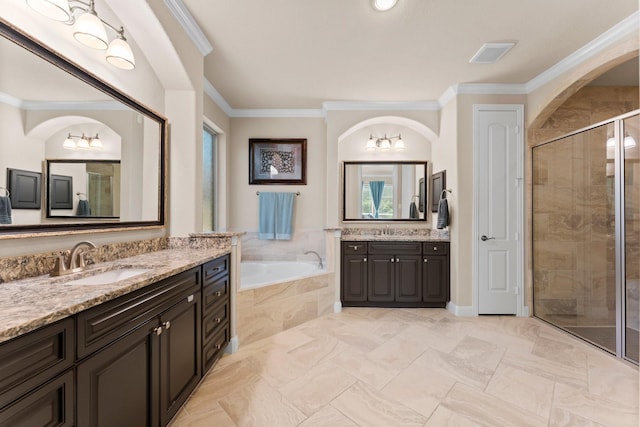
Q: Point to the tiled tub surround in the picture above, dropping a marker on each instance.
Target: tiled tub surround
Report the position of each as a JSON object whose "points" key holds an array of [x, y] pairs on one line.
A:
{"points": [[268, 310], [254, 249], [30, 303]]}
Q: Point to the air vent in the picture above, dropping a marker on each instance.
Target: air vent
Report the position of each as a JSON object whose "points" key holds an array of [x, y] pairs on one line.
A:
{"points": [[491, 52]]}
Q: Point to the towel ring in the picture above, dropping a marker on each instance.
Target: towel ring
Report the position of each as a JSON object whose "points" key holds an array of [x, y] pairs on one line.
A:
{"points": [[81, 195], [7, 194], [444, 192]]}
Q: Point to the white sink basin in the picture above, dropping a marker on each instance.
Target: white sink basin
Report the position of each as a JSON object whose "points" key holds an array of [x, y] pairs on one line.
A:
{"points": [[107, 277]]}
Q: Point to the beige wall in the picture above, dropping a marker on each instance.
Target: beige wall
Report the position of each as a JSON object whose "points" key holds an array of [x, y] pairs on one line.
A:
{"points": [[309, 211]]}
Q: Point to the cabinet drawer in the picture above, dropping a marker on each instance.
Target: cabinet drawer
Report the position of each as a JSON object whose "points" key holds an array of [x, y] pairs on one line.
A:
{"points": [[107, 322], [214, 321], [435, 248], [214, 349], [395, 248], [50, 405], [215, 292], [34, 358], [212, 270], [354, 248]]}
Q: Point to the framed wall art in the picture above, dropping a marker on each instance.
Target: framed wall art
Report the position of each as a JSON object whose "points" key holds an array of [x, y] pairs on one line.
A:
{"points": [[277, 161]]}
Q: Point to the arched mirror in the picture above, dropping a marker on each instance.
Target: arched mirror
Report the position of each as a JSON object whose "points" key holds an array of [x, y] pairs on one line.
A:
{"points": [[70, 141]]}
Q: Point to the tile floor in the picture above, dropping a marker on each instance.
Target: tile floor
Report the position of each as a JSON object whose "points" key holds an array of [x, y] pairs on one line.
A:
{"points": [[416, 367]]}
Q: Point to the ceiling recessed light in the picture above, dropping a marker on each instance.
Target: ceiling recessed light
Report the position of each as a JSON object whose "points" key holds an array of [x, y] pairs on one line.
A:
{"points": [[384, 5]]}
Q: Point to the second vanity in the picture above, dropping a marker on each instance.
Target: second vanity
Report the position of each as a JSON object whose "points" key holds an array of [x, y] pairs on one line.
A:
{"points": [[394, 271], [124, 353]]}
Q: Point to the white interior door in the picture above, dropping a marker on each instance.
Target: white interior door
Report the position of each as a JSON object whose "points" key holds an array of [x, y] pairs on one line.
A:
{"points": [[498, 148]]}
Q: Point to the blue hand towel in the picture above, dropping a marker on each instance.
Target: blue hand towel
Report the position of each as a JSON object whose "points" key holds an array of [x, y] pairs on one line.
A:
{"points": [[443, 214], [5, 210], [83, 208], [284, 216], [266, 216]]}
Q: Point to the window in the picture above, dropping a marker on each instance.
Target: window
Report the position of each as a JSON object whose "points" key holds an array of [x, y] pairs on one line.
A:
{"points": [[208, 179], [385, 210]]}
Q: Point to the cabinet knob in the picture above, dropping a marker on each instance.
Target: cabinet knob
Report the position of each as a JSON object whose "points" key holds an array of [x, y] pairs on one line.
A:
{"points": [[424, 260], [218, 346], [218, 294], [167, 324], [158, 330], [365, 260], [397, 259], [218, 320], [393, 260], [435, 248]]}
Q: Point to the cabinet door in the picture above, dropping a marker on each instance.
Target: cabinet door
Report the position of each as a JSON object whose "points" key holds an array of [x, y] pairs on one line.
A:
{"points": [[354, 278], [180, 352], [49, 405], [435, 271], [118, 385], [408, 278], [381, 278]]}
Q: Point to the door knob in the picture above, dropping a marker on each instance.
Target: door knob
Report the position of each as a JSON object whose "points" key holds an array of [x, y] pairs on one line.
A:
{"points": [[485, 238]]}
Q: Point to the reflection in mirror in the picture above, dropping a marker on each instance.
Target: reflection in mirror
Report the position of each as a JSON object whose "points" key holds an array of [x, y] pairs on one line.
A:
{"points": [[84, 188], [56, 118], [387, 191]]}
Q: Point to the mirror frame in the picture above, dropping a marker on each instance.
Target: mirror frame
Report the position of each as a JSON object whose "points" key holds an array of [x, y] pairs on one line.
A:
{"points": [[34, 46], [394, 162]]}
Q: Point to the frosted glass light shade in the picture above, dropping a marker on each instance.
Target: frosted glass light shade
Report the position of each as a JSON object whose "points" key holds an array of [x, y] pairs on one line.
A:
{"points": [[96, 143], [629, 142], [383, 5], [83, 144], [69, 143], [120, 55], [53, 9], [90, 31], [385, 144], [371, 144], [399, 145]]}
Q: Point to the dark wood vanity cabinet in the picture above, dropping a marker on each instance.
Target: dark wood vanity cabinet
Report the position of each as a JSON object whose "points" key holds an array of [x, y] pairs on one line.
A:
{"points": [[37, 378], [152, 362], [394, 274], [131, 361]]}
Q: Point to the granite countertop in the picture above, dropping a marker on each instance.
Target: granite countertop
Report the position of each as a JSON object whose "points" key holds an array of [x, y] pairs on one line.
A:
{"points": [[28, 304], [392, 238]]}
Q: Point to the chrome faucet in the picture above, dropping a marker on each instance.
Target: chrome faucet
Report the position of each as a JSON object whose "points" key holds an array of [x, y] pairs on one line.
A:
{"points": [[74, 261], [320, 265]]}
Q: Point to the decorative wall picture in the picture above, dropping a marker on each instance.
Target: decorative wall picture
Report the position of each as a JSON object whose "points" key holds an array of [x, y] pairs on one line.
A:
{"points": [[438, 183], [277, 161], [24, 188], [61, 192]]}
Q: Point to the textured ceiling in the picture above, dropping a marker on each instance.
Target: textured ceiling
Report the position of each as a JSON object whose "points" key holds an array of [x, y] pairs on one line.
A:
{"points": [[300, 53]]}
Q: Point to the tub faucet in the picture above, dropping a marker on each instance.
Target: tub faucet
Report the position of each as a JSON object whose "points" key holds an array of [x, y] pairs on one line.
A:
{"points": [[320, 266]]}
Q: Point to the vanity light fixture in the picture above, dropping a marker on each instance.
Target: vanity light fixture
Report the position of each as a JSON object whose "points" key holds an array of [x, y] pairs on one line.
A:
{"points": [[384, 5], [83, 143], [384, 143], [88, 28]]}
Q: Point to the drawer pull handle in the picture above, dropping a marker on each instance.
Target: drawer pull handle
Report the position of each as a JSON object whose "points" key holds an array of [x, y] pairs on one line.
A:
{"points": [[354, 247], [167, 324], [218, 346], [217, 268], [218, 320], [158, 330], [435, 248], [218, 294]]}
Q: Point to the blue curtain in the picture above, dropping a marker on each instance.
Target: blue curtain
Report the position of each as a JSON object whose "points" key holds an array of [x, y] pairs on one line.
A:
{"points": [[376, 194]]}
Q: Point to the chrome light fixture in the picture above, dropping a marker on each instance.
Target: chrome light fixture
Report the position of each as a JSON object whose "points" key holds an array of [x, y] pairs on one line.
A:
{"points": [[384, 5], [88, 28], [384, 143], [83, 143]]}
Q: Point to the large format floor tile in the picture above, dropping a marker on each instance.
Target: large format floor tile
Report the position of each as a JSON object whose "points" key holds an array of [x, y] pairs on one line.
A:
{"points": [[416, 367]]}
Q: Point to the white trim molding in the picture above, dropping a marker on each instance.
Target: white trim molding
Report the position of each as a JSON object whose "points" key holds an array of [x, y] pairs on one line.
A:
{"points": [[460, 310], [380, 106], [189, 25], [218, 99]]}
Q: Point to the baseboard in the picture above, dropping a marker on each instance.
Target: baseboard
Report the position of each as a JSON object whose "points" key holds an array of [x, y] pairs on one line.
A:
{"points": [[337, 307], [460, 310], [525, 311], [233, 345]]}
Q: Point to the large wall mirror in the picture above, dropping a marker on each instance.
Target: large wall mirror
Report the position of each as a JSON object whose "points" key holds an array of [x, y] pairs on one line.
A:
{"points": [[385, 191], [100, 153]]}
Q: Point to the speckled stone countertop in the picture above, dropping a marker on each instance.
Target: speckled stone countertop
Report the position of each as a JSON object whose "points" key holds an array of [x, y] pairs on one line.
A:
{"points": [[28, 304], [395, 234]]}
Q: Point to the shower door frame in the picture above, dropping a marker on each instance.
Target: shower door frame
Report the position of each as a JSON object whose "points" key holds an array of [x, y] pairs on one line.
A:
{"points": [[620, 229]]}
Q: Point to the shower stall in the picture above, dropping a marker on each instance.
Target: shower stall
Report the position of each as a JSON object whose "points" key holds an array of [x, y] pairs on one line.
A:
{"points": [[586, 234]]}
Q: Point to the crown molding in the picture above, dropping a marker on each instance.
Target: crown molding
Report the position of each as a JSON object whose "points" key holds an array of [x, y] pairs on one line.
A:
{"points": [[218, 99], [491, 89], [279, 113], [189, 25], [380, 106], [624, 28], [73, 105], [5, 98]]}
